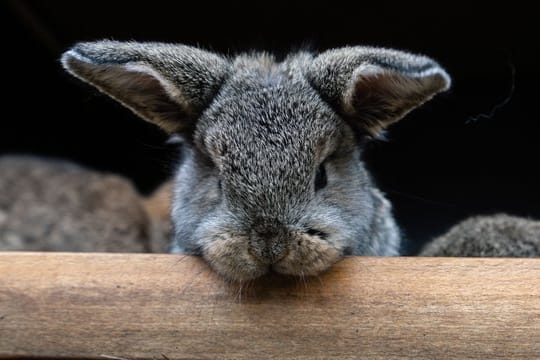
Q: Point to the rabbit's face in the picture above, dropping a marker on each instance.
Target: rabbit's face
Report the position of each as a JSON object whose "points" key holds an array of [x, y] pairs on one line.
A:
{"points": [[271, 178], [278, 185]]}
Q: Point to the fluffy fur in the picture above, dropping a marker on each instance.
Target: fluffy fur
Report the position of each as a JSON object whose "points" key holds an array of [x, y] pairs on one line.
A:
{"points": [[489, 236], [51, 205], [257, 134]]}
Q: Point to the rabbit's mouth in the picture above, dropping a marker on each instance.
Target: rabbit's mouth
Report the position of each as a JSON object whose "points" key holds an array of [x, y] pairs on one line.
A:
{"points": [[306, 255]]}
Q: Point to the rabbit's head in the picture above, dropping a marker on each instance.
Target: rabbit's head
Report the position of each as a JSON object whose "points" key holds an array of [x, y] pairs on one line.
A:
{"points": [[271, 176]]}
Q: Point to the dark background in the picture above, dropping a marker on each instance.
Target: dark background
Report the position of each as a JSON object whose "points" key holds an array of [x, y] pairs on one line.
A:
{"points": [[471, 151]]}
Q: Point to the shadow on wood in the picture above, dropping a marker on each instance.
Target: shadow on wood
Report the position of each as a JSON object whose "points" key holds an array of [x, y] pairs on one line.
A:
{"points": [[174, 307]]}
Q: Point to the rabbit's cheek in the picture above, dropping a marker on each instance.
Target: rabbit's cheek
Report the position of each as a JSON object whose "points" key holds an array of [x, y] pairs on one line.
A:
{"points": [[228, 254], [308, 255]]}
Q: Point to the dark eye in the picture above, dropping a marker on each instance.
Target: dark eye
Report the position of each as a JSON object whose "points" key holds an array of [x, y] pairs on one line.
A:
{"points": [[320, 178]]}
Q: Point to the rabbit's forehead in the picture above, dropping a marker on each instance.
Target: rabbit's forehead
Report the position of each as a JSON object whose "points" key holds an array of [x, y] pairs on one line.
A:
{"points": [[268, 122], [267, 143]]}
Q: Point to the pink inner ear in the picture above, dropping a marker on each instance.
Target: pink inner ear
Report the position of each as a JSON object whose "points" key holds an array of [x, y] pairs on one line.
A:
{"points": [[148, 96], [376, 97], [136, 86]]}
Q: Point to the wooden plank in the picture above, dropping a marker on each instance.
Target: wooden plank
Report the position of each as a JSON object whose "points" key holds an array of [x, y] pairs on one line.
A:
{"points": [[174, 307]]}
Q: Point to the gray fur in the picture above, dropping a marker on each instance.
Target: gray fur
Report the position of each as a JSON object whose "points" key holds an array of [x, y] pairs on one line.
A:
{"points": [[163, 83], [51, 205], [489, 236], [257, 132], [378, 86]]}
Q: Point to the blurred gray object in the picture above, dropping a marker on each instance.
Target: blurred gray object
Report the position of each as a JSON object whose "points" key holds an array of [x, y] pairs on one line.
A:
{"points": [[51, 205]]}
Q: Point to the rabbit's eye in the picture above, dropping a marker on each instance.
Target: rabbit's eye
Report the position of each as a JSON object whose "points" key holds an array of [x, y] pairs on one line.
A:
{"points": [[320, 178]]}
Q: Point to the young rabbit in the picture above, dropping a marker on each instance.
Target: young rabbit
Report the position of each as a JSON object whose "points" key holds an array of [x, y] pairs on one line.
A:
{"points": [[51, 205], [272, 177], [158, 209], [488, 236]]}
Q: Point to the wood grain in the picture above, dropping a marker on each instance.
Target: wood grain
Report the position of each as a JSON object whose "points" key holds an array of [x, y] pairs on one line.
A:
{"points": [[173, 307]]}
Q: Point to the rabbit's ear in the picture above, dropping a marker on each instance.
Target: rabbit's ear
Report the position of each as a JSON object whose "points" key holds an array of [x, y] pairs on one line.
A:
{"points": [[374, 87], [168, 85]]}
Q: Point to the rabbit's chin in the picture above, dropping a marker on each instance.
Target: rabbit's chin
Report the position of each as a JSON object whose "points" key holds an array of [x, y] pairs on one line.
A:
{"points": [[307, 256]]}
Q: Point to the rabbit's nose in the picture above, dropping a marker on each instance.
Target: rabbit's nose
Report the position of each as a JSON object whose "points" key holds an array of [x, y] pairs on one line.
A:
{"points": [[268, 245]]}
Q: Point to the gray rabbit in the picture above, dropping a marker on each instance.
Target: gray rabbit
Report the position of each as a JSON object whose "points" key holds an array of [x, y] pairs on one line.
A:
{"points": [[488, 236], [53, 205], [272, 177]]}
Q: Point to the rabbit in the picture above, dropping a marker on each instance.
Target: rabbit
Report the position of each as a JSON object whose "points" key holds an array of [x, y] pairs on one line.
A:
{"points": [[53, 205], [158, 208], [499, 235], [272, 177]]}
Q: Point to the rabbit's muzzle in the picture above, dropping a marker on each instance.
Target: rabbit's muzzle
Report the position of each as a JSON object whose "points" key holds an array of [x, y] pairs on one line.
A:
{"points": [[269, 243], [281, 249]]}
